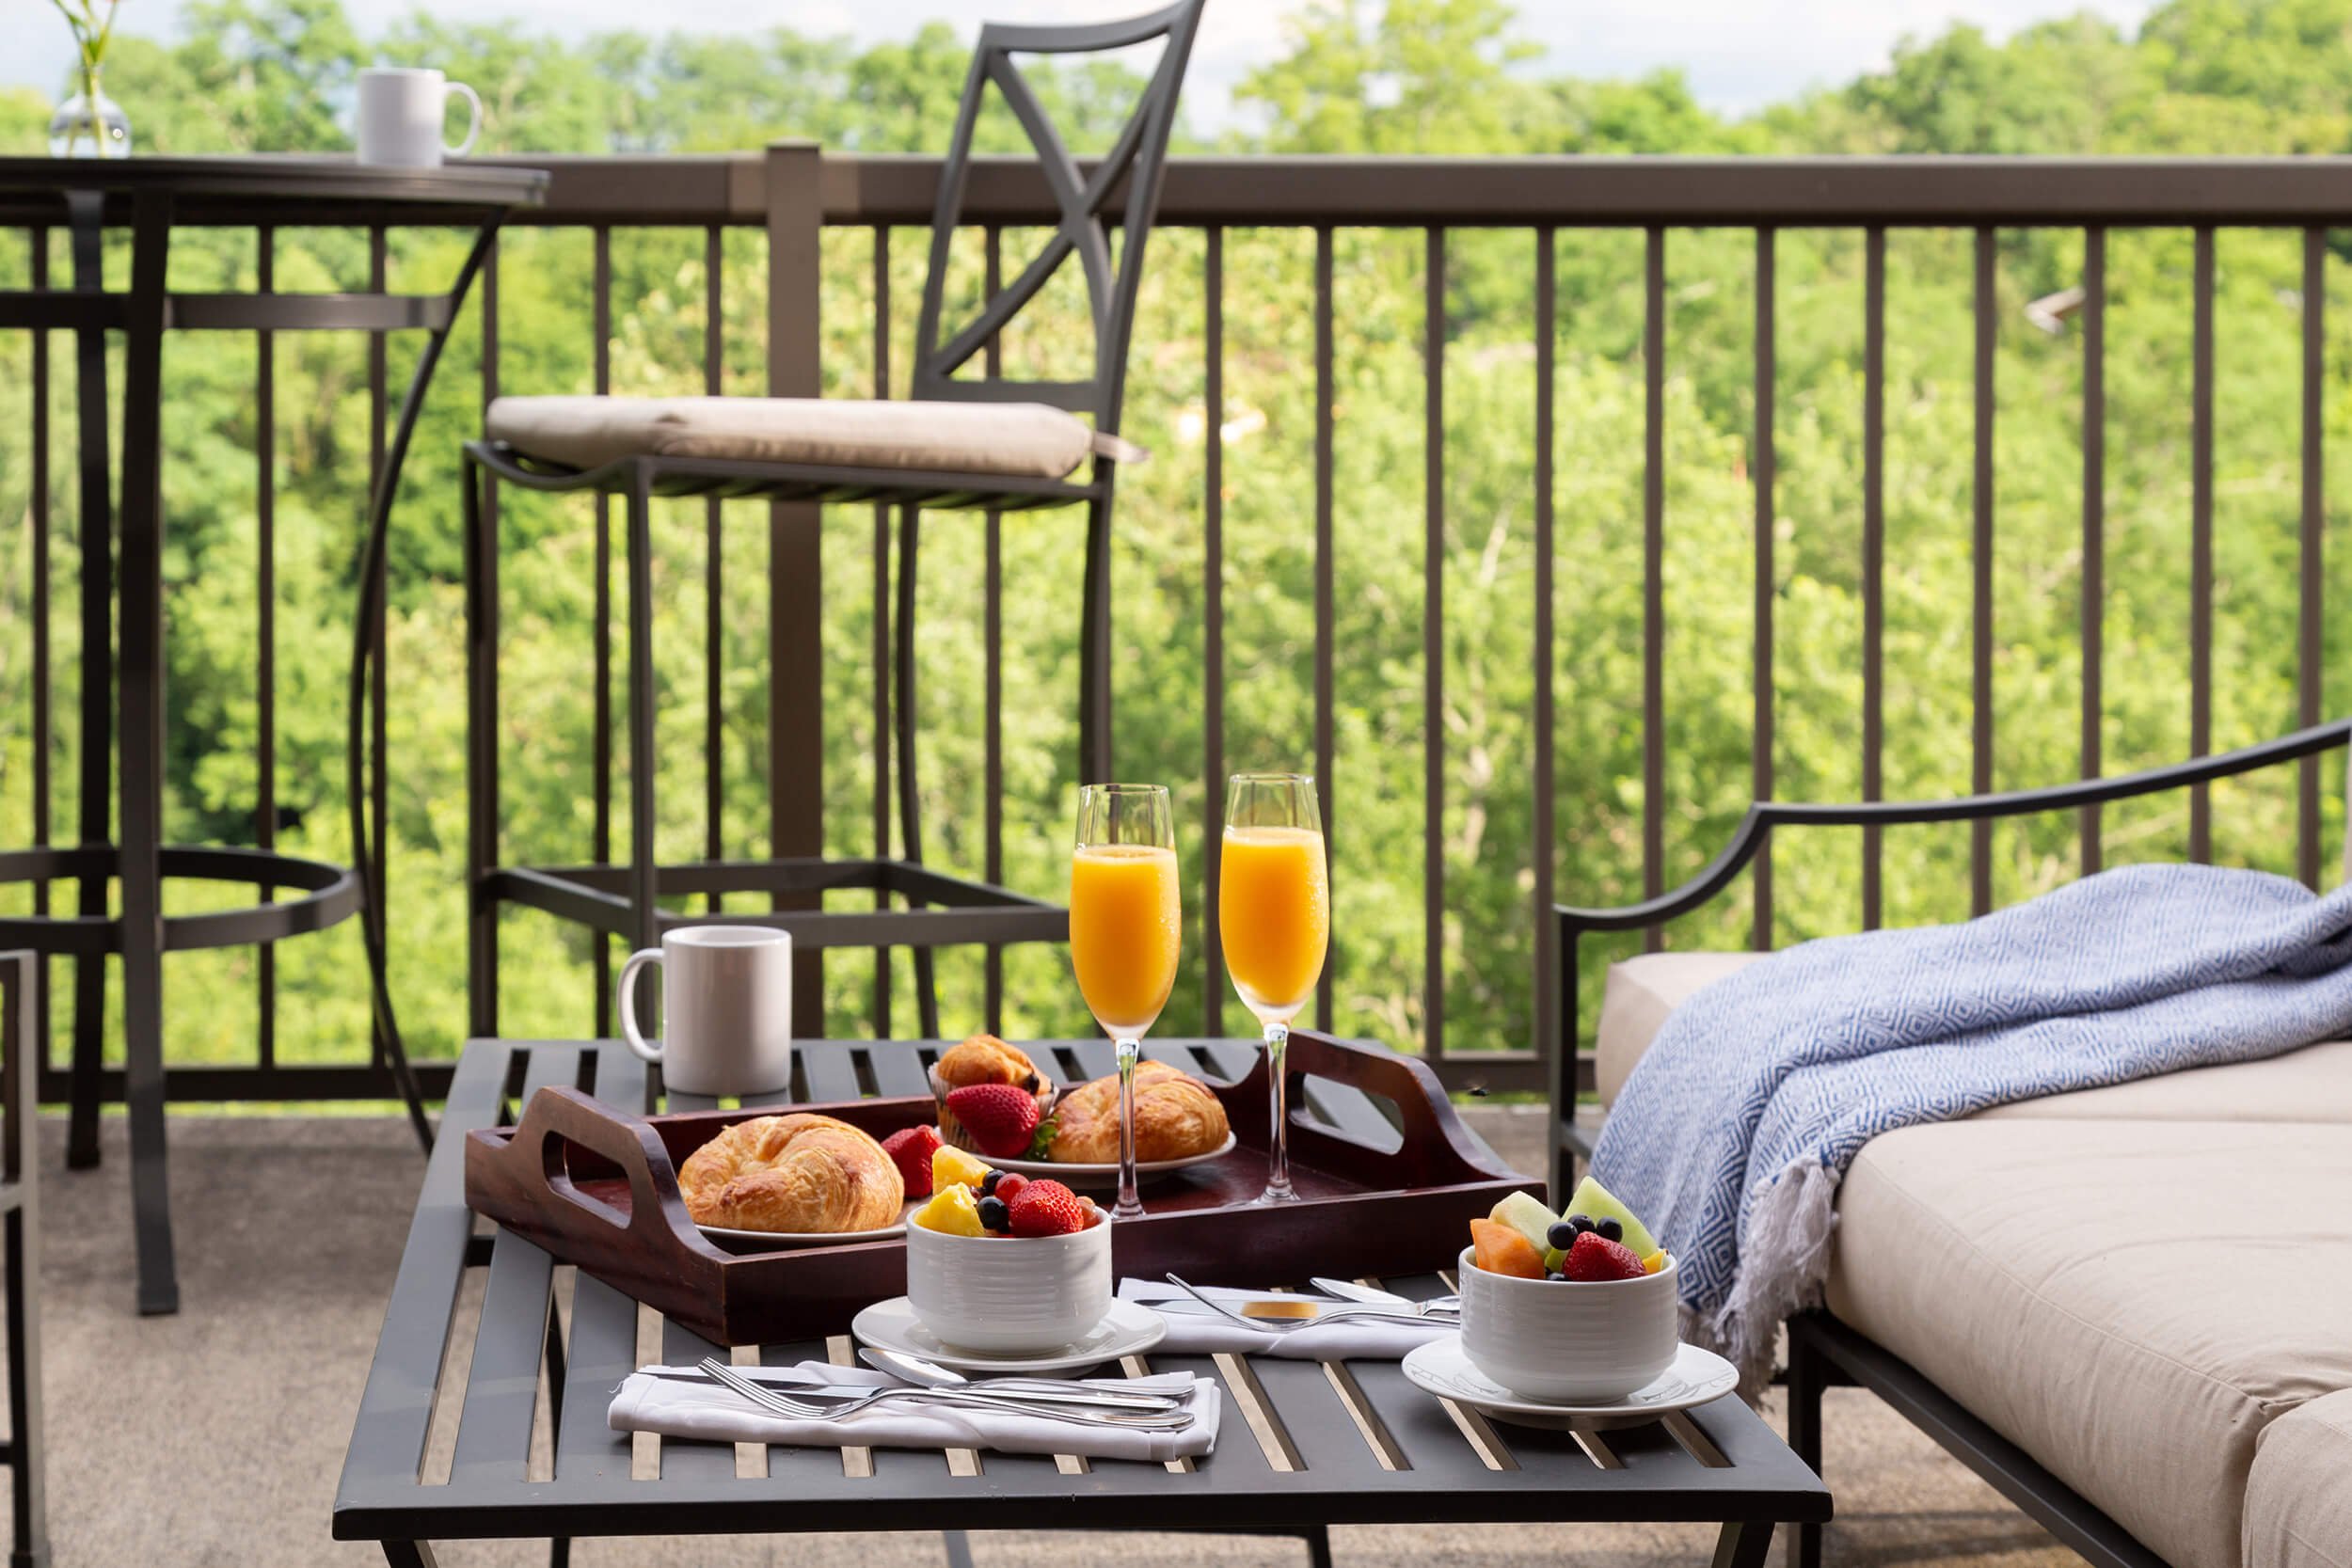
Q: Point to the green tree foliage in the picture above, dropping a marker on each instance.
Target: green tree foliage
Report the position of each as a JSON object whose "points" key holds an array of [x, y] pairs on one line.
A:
{"points": [[1409, 77]]}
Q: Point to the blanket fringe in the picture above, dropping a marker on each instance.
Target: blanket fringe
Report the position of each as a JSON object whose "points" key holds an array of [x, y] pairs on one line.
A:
{"points": [[1782, 1265]]}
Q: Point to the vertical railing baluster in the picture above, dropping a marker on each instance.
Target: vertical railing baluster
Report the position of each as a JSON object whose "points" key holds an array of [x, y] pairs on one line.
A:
{"points": [[1761, 472], [379, 796], [39, 500], [993, 675], [2200, 547], [880, 650], [1433, 650], [714, 560], [1550, 1044], [482, 788], [1653, 575], [1323, 740], [265, 624], [2094, 584], [2310, 673], [600, 711], [1980, 776], [1213, 627], [1873, 566]]}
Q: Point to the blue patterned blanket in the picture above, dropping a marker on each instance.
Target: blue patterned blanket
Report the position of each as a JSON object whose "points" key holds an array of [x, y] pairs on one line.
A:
{"points": [[1731, 1134]]}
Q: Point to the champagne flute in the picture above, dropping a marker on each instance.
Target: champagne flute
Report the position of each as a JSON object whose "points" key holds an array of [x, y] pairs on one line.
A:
{"points": [[1274, 915], [1125, 925]]}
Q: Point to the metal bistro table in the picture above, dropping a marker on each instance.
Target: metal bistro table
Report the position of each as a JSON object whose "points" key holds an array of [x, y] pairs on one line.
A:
{"points": [[1304, 1446], [149, 197]]}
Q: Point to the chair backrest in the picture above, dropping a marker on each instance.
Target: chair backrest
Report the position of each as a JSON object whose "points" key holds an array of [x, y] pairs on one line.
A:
{"points": [[1140, 155]]}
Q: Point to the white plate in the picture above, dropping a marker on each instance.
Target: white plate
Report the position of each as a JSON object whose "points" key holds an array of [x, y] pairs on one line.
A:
{"points": [[1697, 1377], [1128, 1329], [804, 1238], [1106, 1174], [812, 1238]]}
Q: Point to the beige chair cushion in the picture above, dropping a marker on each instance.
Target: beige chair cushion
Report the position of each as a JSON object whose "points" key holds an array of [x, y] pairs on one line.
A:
{"points": [[2299, 1500], [2311, 1084], [1634, 1004], [1026, 441], [2130, 1302]]}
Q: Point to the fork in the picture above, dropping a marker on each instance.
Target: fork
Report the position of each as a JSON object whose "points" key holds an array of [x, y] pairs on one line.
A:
{"points": [[1287, 1325], [778, 1403]]}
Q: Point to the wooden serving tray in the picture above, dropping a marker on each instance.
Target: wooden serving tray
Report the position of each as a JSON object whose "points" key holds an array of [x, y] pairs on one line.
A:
{"points": [[596, 1187]]}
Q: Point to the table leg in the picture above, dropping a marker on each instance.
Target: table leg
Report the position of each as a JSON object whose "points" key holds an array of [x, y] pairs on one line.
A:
{"points": [[86, 210], [1743, 1543], [142, 751], [958, 1548], [1805, 1380], [409, 1554]]}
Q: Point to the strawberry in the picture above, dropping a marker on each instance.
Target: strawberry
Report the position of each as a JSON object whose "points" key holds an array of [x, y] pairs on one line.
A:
{"points": [[910, 1151], [1595, 1257], [1009, 1185], [1001, 1117], [1046, 1208]]}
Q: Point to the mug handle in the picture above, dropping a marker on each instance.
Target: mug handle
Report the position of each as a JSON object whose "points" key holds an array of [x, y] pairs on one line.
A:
{"points": [[627, 1001], [473, 127]]}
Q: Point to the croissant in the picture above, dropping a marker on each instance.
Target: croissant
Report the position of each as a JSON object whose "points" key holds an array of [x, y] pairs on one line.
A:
{"points": [[792, 1173], [983, 1059], [1176, 1115]]}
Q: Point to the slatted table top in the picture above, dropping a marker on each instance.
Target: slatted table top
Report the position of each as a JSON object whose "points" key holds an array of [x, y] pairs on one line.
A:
{"points": [[1303, 1443]]}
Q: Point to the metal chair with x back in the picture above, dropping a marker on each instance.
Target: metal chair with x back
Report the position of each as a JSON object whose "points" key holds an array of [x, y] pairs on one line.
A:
{"points": [[987, 445]]}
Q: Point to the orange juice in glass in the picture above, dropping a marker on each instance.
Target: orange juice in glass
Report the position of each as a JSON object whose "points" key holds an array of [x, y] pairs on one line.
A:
{"points": [[1125, 931], [1274, 920]]}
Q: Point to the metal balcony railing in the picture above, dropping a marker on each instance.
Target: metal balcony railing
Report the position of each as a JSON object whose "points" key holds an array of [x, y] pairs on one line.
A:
{"points": [[793, 193]]}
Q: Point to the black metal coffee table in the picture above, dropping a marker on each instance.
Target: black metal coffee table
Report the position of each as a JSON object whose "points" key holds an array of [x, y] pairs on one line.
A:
{"points": [[1305, 1446]]}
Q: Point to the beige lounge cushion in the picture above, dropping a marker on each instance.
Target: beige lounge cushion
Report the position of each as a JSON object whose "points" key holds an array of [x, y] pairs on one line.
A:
{"points": [[2299, 1500], [1635, 1002], [2311, 1084], [2130, 1302], [1025, 440]]}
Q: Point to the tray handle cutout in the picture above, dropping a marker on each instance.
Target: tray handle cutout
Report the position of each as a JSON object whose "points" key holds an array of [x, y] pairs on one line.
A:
{"points": [[558, 1115]]}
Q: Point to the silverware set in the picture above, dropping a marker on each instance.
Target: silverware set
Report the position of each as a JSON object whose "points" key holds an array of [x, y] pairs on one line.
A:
{"points": [[814, 1399], [1359, 1304]]}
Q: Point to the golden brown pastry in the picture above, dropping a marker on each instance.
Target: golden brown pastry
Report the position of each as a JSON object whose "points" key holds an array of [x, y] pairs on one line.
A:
{"points": [[796, 1173], [983, 1059], [1176, 1115]]}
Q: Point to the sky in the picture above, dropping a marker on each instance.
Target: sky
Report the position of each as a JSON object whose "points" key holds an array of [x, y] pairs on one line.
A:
{"points": [[1738, 54]]}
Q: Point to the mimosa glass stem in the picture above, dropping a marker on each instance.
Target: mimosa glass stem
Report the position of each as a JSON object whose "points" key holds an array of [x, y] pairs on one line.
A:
{"points": [[1278, 1170], [1130, 1204]]}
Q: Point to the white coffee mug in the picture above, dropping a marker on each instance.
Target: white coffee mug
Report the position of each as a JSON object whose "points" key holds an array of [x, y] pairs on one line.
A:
{"points": [[726, 1002], [401, 116]]}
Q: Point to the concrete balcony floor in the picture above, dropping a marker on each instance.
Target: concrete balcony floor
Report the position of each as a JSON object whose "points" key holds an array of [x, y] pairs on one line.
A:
{"points": [[215, 1436]]}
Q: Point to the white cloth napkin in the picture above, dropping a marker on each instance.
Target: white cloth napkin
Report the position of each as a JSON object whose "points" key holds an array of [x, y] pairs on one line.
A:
{"points": [[705, 1411], [1192, 1330]]}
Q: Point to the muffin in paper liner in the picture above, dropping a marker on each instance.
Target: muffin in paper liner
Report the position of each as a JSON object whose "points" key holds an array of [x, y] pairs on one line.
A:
{"points": [[953, 1132]]}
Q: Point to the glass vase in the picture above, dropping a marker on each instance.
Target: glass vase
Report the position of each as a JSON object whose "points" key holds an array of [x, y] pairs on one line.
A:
{"points": [[89, 124]]}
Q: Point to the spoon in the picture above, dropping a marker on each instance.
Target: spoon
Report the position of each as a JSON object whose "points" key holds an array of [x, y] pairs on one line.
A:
{"points": [[1348, 1290], [930, 1375]]}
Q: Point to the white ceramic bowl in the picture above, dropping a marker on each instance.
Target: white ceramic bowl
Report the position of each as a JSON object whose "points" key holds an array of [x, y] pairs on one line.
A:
{"points": [[1014, 1296], [1560, 1340]]}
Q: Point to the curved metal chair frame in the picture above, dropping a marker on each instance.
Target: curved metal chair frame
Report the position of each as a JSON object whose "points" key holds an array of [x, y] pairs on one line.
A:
{"points": [[1823, 1352], [1137, 160]]}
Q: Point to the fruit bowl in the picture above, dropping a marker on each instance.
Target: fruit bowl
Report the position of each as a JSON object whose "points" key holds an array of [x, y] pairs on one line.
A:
{"points": [[1010, 1295], [1567, 1340]]}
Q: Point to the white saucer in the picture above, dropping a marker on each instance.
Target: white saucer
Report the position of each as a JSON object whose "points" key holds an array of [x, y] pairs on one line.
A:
{"points": [[1092, 1175], [1129, 1329], [1695, 1377], [804, 1238]]}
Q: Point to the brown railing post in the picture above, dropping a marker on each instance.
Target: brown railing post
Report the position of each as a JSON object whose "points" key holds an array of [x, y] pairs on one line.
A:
{"points": [[796, 713]]}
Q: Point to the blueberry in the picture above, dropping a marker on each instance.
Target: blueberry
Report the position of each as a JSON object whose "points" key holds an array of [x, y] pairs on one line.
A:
{"points": [[1582, 1222], [1610, 1231], [988, 1182], [996, 1214], [1562, 1235]]}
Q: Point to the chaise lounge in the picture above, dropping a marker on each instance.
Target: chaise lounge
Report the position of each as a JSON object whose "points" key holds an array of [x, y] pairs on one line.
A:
{"points": [[2129, 1308]]}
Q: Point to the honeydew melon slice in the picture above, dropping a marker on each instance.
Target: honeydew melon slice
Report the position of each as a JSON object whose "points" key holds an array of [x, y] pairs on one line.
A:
{"points": [[1526, 1213], [1595, 1203]]}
